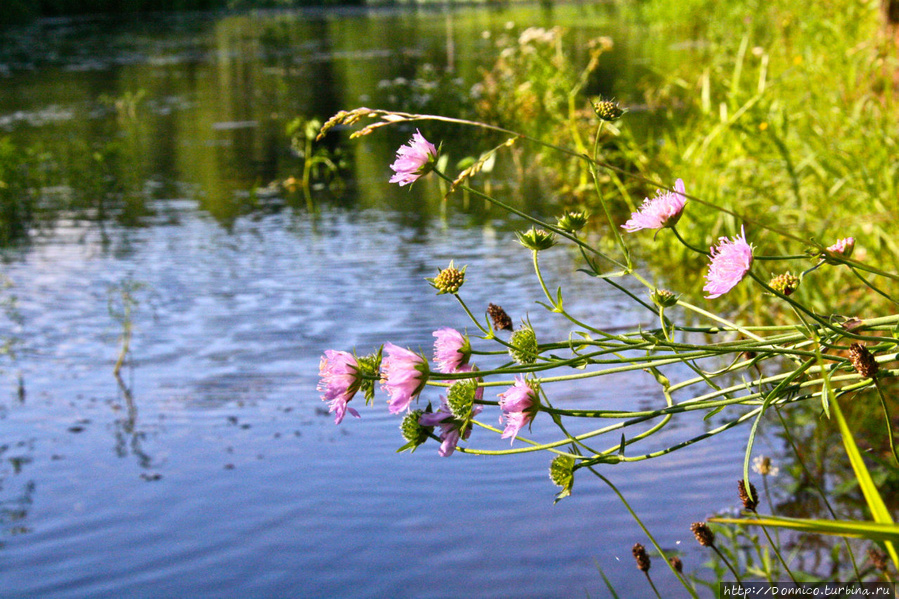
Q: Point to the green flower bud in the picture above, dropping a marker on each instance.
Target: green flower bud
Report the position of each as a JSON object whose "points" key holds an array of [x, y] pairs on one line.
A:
{"points": [[572, 221], [663, 298], [460, 397], [523, 344], [448, 280], [608, 110], [561, 472], [536, 239], [785, 283], [413, 431], [370, 369]]}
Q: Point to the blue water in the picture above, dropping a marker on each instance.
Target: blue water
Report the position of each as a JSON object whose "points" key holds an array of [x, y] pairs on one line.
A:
{"points": [[211, 467]]}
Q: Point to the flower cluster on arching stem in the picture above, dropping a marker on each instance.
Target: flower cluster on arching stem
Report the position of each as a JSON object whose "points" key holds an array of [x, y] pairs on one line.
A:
{"points": [[536, 239], [608, 110], [403, 375]]}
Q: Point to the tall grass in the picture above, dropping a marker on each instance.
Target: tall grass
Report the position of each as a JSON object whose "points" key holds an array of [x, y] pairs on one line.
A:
{"points": [[786, 115]]}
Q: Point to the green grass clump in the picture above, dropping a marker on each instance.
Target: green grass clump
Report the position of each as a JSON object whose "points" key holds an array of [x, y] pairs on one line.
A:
{"points": [[783, 117]]}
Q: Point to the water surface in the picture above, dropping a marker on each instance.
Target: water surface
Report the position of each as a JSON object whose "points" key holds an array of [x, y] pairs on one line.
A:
{"points": [[210, 467]]}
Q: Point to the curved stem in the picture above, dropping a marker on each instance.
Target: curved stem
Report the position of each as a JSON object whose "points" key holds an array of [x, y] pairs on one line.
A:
{"points": [[729, 566], [684, 241], [889, 420], [813, 481], [528, 217], [475, 320], [717, 318], [776, 550], [646, 531]]}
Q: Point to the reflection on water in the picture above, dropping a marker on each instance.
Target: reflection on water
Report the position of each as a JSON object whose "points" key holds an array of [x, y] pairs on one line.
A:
{"points": [[207, 466], [212, 462]]}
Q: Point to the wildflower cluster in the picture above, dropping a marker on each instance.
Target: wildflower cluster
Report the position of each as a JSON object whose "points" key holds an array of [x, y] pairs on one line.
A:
{"points": [[404, 374], [526, 363]]}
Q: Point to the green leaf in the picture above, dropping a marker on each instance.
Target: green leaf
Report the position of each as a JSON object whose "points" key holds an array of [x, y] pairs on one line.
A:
{"points": [[873, 531], [872, 496], [712, 412], [608, 584]]}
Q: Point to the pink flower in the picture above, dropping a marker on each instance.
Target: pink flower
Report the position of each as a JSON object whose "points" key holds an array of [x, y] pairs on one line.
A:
{"points": [[662, 211], [731, 260], [339, 382], [519, 405], [449, 427], [413, 160], [451, 350], [842, 248], [403, 376]]}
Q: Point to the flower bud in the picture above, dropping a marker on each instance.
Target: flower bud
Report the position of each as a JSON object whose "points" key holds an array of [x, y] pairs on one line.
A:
{"points": [[703, 534], [663, 298], [561, 472], [843, 248], [370, 368], [412, 430], [536, 239], [572, 221], [641, 556], [501, 320], [448, 280], [460, 397], [863, 360], [608, 110], [523, 344], [676, 563], [785, 283]]}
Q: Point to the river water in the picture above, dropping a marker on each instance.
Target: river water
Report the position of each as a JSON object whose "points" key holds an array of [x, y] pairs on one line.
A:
{"points": [[210, 467]]}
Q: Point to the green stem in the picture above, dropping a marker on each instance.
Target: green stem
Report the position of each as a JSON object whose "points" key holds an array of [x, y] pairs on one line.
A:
{"points": [[528, 217], [776, 550], [475, 320], [646, 531], [813, 481], [652, 585], [889, 420], [717, 318], [612, 225], [729, 566], [684, 241]]}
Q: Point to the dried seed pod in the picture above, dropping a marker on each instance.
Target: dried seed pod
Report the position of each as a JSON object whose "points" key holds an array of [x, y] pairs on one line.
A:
{"points": [[501, 320], [749, 503], [703, 534], [641, 556], [863, 360]]}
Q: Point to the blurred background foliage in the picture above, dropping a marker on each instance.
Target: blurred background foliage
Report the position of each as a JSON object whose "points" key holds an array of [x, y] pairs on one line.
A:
{"points": [[781, 117]]}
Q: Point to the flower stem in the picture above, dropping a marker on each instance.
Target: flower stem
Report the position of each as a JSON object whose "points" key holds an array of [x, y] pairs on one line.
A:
{"points": [[684, 241], [889, 420], [646, 531], [728, 564]]}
